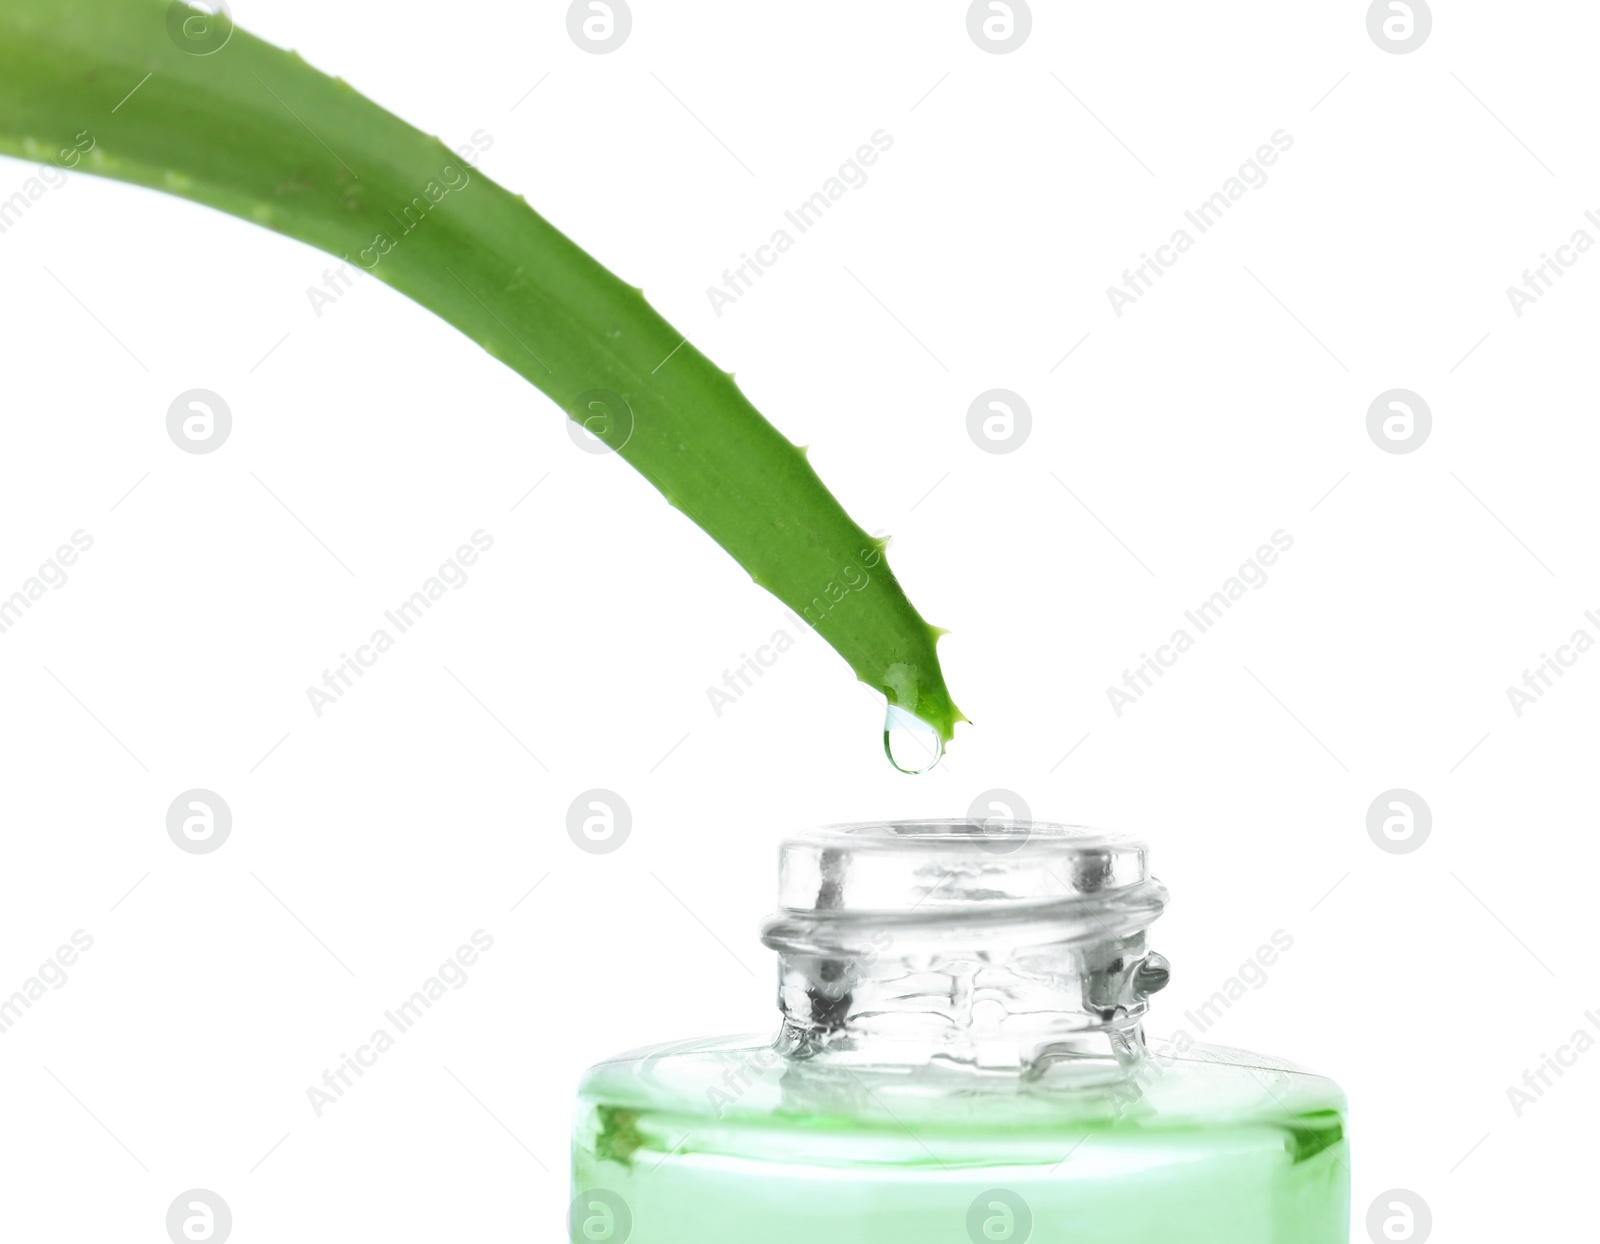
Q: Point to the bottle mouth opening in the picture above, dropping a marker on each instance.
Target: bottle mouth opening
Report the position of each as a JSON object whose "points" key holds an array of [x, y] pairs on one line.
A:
{"points": [[955, 866], [955, 831]]}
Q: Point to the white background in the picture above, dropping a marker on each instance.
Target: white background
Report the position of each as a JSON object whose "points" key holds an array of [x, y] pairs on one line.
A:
{"points": [[1225, 405]]}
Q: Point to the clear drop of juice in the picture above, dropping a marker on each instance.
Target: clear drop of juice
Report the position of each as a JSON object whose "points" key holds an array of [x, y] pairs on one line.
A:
{"points": [[911, 744]]}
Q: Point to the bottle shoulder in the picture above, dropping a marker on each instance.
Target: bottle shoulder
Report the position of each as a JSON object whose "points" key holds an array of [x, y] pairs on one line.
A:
{"points": [[744, 1081]]}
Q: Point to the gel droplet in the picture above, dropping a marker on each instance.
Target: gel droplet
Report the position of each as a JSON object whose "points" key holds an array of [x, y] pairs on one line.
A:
{"points": [[911, 744]]}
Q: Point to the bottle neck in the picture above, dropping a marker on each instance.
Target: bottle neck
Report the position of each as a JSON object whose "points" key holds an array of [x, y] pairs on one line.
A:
{"points": [[996, 945], [1021, 992]]}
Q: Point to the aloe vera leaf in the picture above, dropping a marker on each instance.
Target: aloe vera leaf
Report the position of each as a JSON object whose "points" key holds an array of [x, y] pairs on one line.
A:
{"points": [[253, 130]]}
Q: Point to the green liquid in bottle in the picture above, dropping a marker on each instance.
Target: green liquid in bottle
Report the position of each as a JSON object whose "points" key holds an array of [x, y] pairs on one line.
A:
{"points": [[964, 1077]]}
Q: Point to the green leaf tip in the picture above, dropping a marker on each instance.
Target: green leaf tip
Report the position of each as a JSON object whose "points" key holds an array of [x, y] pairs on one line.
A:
{"points": [[228, 129]]}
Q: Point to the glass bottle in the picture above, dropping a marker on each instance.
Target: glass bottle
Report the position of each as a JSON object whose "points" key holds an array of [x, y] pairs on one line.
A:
{"points": [[961, 1058]]}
